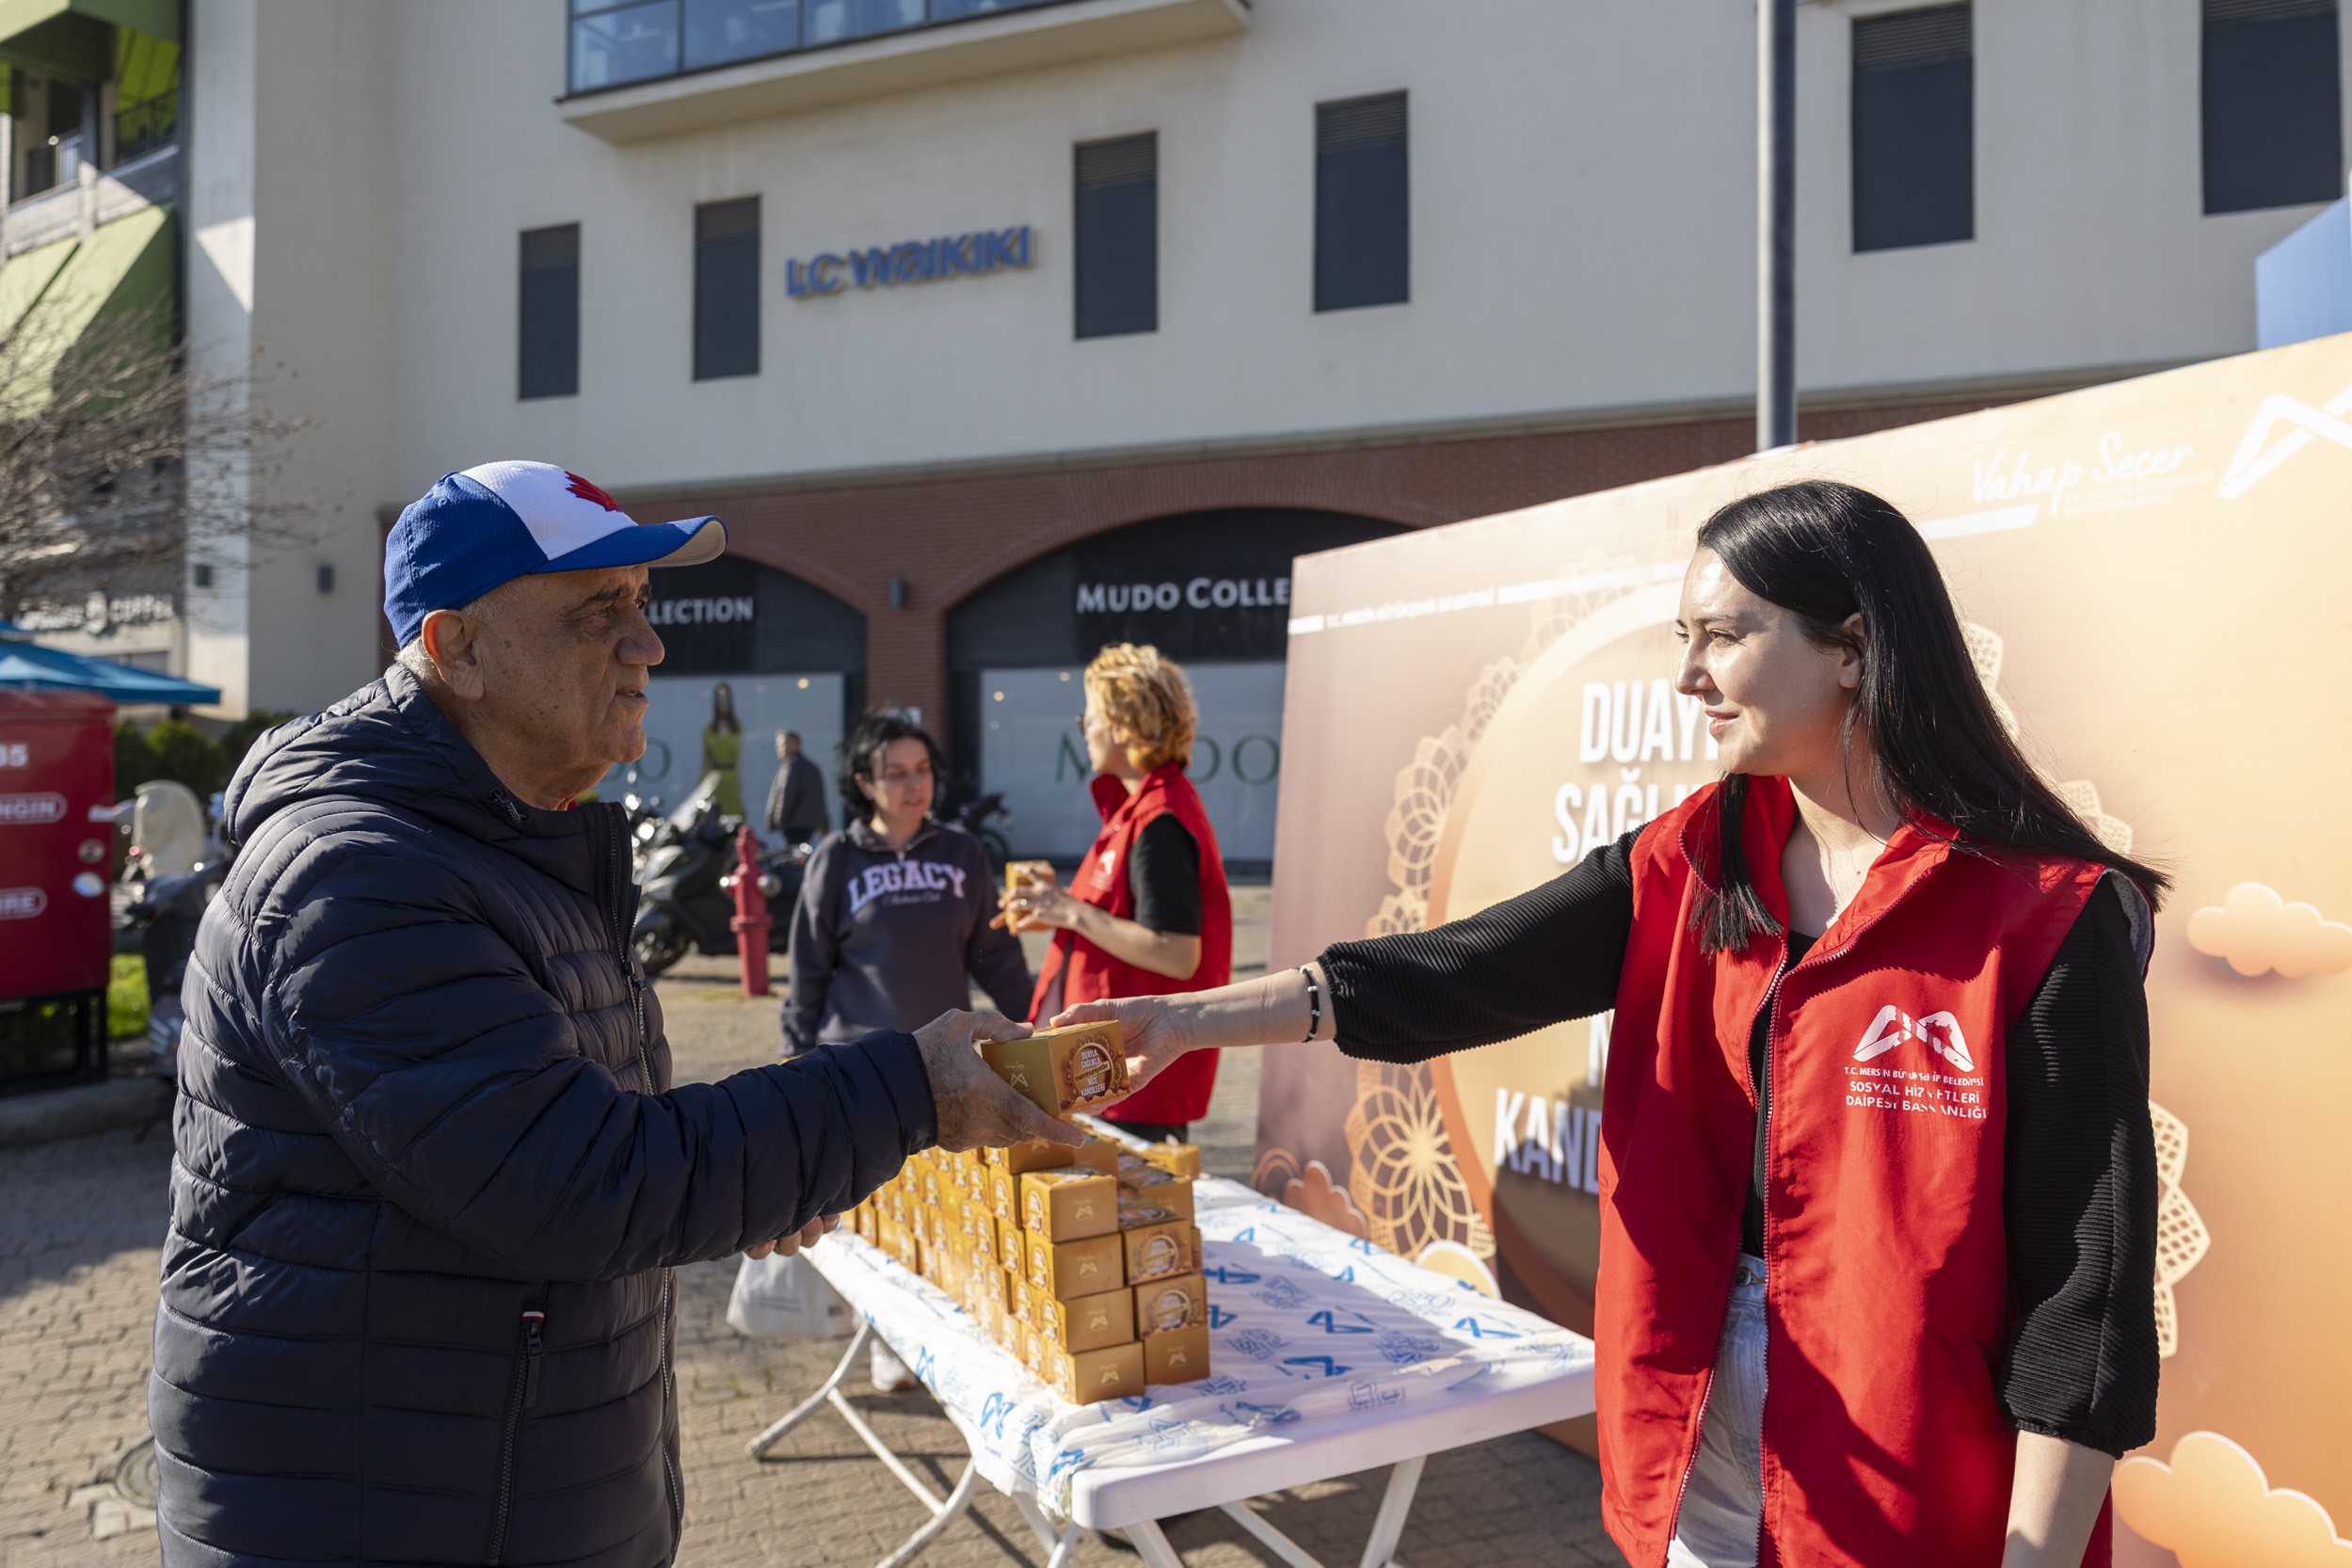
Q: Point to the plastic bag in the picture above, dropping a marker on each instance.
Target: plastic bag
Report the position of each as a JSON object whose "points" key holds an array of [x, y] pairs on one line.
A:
{"points": [[784, 1297]]}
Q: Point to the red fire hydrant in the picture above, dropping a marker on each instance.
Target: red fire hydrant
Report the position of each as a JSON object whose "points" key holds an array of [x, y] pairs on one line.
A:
{"points": [[751, 921]]}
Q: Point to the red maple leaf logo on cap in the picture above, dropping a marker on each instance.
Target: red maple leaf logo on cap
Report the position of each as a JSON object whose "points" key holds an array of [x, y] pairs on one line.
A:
{"points": [[586, 491]]}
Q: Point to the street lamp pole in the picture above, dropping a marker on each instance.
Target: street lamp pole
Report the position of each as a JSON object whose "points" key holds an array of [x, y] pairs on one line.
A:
{"points": [[1776, 223]]}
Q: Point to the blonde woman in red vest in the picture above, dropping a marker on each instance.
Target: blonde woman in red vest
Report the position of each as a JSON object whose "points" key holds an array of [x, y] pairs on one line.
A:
{"points": [[1146, 910], [1878, 1183]]}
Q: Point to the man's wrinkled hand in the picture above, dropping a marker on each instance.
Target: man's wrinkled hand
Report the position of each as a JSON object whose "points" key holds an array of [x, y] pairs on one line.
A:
{"points": [[975, 1108], [806, 1236]]}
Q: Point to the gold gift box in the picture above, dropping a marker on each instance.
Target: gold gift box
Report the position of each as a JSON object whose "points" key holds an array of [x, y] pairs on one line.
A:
{"points": [[1065, 1268], [1082, 1377], [1070, 1205], [1090, 1322], [1061, 1070], [1168, 1305], [1178, 1357], [1159, 1247]]}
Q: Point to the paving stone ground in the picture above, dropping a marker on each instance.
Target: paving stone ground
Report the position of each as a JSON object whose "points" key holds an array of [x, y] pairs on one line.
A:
{"points": [[81, 1239]]}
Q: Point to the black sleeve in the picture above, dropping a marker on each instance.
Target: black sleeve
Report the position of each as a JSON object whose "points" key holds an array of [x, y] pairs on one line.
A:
{"points": [[1550, 954], [1163, 870], [2082, 1194]]}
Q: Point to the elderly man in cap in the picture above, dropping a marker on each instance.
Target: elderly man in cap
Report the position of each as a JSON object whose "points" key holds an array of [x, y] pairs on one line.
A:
{"points": [[432, 1176]]}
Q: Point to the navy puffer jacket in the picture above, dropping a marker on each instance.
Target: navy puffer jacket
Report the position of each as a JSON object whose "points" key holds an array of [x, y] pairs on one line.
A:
{"points": [[431, 1177]]}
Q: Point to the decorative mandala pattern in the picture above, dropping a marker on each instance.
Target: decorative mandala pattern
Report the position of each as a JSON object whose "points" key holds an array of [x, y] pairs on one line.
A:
{"points": [[1403, 1177], [1494, 684], [1424, 787], [2181, 1234]]}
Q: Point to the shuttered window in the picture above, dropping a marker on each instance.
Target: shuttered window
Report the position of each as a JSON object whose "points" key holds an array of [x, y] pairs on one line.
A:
{"points": [[2271, 87], [1914, 128], [1363, 233], [547, 354], [727, 289], [1117, 223]]}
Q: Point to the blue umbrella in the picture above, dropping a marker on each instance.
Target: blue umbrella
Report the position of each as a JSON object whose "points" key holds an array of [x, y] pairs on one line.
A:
{"points": [[28, 666]]}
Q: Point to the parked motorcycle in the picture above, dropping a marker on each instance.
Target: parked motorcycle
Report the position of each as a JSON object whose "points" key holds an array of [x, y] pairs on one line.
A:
{"points": [[987, 819], [686, 885]]}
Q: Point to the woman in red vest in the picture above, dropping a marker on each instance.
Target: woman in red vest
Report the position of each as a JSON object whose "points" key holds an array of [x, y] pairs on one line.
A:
{"points": [[1148, 909], [1878, 1180]]}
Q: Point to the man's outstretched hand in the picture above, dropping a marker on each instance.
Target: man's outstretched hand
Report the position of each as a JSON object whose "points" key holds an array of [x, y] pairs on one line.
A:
{"points": [[976, 1110]]}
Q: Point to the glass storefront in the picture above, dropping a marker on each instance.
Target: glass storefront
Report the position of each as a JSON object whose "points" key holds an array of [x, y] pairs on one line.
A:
{"points": [[790, 655], [1210, 590]]}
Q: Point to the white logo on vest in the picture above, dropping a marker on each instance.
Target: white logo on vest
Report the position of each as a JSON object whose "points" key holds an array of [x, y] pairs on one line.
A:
{"points": [[1938, 1032]]}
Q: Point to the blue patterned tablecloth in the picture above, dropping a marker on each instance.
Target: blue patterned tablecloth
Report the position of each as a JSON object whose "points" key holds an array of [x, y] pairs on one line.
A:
{"points": [[1307, 1327]]}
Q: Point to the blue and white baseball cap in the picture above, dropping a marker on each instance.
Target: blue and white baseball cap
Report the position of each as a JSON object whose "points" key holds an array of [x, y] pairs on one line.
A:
{"points": [[491, 524]]}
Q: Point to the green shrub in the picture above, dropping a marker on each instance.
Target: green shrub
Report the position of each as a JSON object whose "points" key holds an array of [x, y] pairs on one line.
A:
{"points": [[183, 752], [134, 759], [126, 997]]}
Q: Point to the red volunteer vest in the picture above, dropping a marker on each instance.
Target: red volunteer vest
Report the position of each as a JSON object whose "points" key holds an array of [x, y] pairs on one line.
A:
{"points": [[1887, 1305], [1181, 1092]]}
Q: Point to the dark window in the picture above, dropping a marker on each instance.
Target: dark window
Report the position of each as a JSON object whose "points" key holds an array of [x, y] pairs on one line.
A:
{"points": [[548, 346], [727, 289], [1914, 129], [1363, 241], [1118, 236], [2273, 104]]}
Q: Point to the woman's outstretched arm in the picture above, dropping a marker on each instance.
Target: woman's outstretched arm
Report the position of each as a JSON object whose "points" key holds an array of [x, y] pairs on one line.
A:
{"points": [[1550, 954]]}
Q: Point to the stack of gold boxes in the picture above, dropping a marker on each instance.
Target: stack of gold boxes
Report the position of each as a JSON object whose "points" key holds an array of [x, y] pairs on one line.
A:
{"points": [[1085, 1263]]}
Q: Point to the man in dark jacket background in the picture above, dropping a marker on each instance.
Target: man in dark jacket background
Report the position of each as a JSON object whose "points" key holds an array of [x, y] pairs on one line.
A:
{"points": [[796, 810], [431, 1177]]}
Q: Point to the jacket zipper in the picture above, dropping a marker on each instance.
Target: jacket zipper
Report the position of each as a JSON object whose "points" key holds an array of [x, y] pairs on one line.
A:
{"points": [[1771, 1011], [523, 1392], [620, 914], [1766, 1009]]}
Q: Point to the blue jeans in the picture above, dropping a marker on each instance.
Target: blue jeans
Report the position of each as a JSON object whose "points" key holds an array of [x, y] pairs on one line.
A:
{"points": [[1722, 1507]]}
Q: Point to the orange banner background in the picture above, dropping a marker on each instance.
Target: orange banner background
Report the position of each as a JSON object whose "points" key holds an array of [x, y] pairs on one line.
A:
{"points": [[2154, 575]]}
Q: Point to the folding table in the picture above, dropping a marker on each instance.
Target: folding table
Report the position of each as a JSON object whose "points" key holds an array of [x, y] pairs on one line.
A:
{"points": [[1328, 1357]]}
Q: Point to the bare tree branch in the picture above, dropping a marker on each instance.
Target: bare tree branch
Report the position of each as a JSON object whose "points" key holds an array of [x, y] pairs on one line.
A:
{"points": [[117, 461]]}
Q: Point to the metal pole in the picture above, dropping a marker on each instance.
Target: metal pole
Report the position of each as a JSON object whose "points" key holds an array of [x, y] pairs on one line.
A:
{"points": [[1776, 223]]}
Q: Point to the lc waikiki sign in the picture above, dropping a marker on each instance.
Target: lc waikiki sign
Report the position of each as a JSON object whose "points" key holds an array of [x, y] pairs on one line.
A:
{"points": [[910, 262]]}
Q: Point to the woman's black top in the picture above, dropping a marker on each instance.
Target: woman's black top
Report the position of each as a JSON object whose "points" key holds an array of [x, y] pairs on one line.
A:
{"points": [[2080, 1187], [1163, 870]]}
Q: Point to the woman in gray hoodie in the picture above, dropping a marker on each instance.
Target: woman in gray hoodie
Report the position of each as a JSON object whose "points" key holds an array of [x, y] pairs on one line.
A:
{"points": [[892, 922]]}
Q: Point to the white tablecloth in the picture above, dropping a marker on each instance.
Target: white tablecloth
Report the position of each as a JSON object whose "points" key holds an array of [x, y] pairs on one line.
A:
{"points": [[1308, 1325]]}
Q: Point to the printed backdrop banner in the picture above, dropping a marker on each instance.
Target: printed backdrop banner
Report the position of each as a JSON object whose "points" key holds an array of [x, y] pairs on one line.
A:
{"points": [[2152, 575]]}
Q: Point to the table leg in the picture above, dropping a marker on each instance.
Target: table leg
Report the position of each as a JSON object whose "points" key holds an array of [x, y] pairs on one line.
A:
{"points": [[1066, 1549], [949, 1512], [759, 1445], [1388, 1525], [1152, 1547]]}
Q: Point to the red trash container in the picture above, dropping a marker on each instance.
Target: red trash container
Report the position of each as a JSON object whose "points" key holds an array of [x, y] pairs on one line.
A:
{"points": [[56, 831]]}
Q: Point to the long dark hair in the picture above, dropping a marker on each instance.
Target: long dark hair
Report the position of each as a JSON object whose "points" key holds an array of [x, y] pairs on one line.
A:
{"points": [[723, 710], [862, 746], [1824, 551]]}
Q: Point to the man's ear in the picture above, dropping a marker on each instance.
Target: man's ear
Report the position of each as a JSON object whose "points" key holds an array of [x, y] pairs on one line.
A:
{"points": [[452, 641]]}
